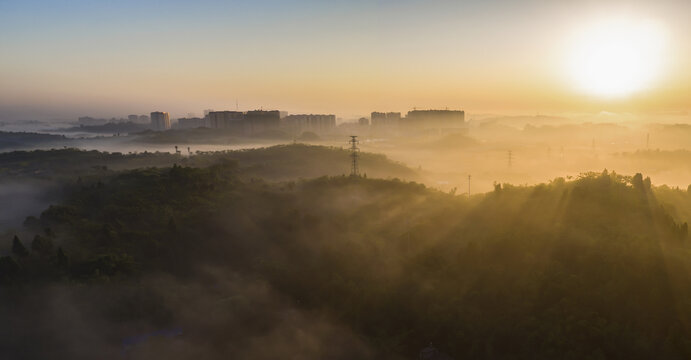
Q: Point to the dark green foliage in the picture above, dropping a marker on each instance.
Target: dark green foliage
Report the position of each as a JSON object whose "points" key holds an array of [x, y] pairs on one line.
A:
{"points": [[31, 222], [275, 163], [42, 245], [62, 260], [18, 249], [15, 140], [9, 269], [106, 265], [592, 268]]}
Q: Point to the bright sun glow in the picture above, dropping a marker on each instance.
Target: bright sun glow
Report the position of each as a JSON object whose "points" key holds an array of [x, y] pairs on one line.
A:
{"points": [[617, 57]]}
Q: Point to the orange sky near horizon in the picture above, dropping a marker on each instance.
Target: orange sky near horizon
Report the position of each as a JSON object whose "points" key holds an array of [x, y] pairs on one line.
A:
{"points": [[349, 61]]}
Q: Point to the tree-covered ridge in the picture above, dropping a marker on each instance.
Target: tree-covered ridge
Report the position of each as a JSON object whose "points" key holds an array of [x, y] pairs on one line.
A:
{"points": [[14, 140], [594, 268], [277, 162]]}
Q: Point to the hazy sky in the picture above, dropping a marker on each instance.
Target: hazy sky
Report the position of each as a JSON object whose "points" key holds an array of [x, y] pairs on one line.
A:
{"points": [[60, 59]]}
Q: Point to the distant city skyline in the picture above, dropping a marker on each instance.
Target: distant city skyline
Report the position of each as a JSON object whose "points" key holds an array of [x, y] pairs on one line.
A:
{"points": [[61, 60]]}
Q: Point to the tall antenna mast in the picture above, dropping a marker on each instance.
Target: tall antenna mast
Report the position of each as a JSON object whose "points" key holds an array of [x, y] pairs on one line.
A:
{"points": [[354, 154]]}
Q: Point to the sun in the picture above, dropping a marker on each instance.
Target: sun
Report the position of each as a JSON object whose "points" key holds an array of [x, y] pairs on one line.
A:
{"points": [[616, 57]]}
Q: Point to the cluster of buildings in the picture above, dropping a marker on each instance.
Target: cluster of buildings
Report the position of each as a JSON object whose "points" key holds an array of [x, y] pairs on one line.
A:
{"points": [[385, 119], [244, 123], [318, 124], [254, 122], [419, 121], [439, 119], [258, 121]]}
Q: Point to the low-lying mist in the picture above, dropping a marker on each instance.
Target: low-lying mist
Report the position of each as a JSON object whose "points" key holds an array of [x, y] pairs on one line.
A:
{"points": [[211, 314], [22, 199], [182, 262], [274, 252]]}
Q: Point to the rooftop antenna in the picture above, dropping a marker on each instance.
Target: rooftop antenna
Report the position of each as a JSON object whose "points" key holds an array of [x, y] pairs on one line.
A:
{"points": [[354, 154]]}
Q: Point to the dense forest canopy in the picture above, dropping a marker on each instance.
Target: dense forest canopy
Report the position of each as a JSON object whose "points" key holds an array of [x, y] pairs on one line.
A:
{"points": [[216, 263]]}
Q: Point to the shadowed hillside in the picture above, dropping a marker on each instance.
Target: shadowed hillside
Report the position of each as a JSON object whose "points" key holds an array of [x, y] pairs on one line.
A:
{"points": [[591, 268]]}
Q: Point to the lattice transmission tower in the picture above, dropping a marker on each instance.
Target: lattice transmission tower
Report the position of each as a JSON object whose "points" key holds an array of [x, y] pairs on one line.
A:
{"points": [[354, 155]]}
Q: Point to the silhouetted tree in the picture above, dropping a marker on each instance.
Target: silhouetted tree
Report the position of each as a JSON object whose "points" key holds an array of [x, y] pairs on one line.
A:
{"points": [[42, 245], [172, 225], [684, 230], [637, 182], [62, 260], [18, 248], [31, 222]]}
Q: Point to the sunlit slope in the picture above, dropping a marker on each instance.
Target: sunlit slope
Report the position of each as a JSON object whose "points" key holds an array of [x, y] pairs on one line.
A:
{"points": [[592, 268]]}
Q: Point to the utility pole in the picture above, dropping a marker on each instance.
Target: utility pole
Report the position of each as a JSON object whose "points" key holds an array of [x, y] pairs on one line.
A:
{"points": [[354, 154], [468, 186]]}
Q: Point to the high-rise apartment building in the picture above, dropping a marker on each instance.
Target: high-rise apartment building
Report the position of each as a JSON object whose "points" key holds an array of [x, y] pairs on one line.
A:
{"points": [[160, 120]]}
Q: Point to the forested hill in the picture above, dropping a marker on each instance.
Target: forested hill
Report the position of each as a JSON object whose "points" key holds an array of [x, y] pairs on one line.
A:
{"points": [[595, 268], [22, 140], [280, 162]]}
